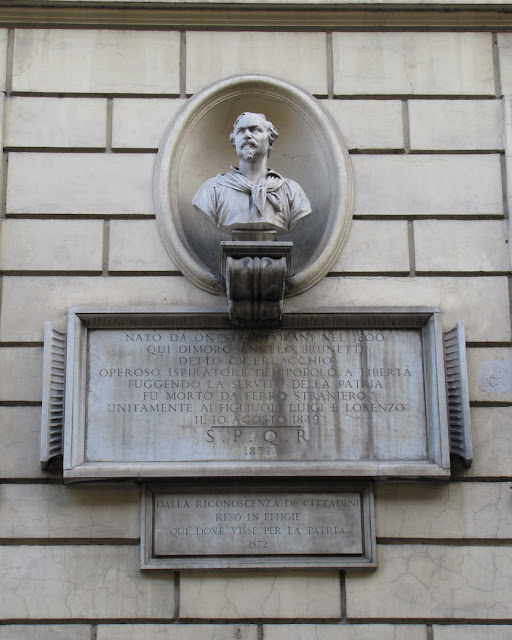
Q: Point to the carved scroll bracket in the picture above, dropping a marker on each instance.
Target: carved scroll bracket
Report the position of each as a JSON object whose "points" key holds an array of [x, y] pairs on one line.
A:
{"points": [[255, 274], [459, 421]]}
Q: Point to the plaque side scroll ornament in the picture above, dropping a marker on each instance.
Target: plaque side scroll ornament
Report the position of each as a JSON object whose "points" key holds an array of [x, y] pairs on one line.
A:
{"points": [[52, 414], [254, 204], [311, 173]]}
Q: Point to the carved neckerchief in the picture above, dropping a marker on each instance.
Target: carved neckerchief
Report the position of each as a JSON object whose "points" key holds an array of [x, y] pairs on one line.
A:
{"points": [[260, 193]]}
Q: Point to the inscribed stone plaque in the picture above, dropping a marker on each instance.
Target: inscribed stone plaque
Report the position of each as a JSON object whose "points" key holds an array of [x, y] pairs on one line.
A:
{"points": [[318, 396], [326, 525]]}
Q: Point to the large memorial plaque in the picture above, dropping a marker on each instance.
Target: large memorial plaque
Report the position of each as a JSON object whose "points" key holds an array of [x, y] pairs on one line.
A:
{"points": [[251, 526], [157, 395]]}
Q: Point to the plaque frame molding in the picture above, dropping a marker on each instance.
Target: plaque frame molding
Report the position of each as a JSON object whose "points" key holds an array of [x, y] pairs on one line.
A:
{"points": [[366, 560], [428, 319]]}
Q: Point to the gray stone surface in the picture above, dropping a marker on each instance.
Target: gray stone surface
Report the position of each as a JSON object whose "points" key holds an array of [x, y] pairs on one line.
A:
{"points": [[177, 632], [456, 124], [85, 512], [218, 54], [472, 632], [505, 57], [80, 183], [456, 510], [395, 184], [413, 63], [480, 302], [138, 123], [96, 61], [239, 595], [49, 298], [46, 632], [22, 380], [20, 443], [55, 122], [3, 58], [492, 445], [135, 245], [51, 245], [368, 124], [490, 374], [471, 245], [86, 582], [345, 632], [375, 246], [434, 581]]}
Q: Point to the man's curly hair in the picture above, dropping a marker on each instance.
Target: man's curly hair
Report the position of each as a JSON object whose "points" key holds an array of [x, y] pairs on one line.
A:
{"points": [[272, 131]]}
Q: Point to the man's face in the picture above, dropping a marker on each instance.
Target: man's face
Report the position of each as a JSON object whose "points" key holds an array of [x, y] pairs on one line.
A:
{"points": [[251, 137]]}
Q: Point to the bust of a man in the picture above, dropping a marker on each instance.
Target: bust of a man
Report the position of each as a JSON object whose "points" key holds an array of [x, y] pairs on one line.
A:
{"points": [[252, 197]]}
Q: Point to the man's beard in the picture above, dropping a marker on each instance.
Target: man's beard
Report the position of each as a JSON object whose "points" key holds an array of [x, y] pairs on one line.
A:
{"points": [[247, 152]]}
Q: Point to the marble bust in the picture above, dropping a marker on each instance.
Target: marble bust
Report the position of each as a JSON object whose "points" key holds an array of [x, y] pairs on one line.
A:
{"points": [[252, 197]]}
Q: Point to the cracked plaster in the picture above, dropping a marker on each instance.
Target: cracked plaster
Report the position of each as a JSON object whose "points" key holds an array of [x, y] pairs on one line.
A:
{"points": [[434, 581]]}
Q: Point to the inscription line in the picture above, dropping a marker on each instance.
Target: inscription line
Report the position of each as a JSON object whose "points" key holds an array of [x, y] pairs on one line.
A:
{"points": [[256, 426]]}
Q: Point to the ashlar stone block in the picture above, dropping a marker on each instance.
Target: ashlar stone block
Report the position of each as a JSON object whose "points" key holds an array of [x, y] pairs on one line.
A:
{"points": [[51, 245], [434, 581], [212, 55], [490, 374], [456, 124], [86, 582], [3, 57], [55, 122], [46, 632], [455, 510], [135, 245], [25, 374], [417, 185], [374, 246], [56, 511], [413, 63], [20, 437], [177, 632], [96, 61], [345, 632], [139, 123], [492, 444], [480, 302], [49, 298], [239, 595], [469, 245], [505, 57], [368, 124], [472, 632], [80, 183]]}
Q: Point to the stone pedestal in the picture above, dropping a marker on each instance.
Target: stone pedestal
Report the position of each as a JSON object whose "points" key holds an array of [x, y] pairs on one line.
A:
{"points": [[255, 272]]}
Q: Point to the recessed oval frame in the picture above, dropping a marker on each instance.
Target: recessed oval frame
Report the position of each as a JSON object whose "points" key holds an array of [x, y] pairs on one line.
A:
{"points": [[310, 150]]}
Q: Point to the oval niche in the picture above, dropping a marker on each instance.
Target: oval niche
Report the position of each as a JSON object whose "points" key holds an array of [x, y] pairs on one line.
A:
{"points": [[310, 150]]}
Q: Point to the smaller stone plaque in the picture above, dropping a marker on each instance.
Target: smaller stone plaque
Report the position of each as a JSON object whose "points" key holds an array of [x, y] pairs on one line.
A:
{"points": [[254, 526]]}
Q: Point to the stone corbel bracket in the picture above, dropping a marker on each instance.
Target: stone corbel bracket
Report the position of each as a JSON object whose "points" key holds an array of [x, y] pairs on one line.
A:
{"points": [[255, 274], [52, 417], [459, 421]]}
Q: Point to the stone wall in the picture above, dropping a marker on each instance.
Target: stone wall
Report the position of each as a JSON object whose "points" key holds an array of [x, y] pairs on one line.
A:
{"points": [[427, 117]]}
